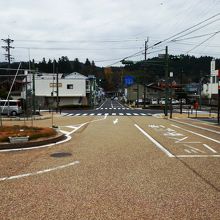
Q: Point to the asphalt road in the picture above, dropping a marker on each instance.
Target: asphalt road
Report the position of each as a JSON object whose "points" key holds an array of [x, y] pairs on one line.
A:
{"points": [[127, 167], [113, 108]]}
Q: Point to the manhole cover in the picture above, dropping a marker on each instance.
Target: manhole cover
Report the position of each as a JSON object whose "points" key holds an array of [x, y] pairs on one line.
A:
{"points": [[61, 154]]}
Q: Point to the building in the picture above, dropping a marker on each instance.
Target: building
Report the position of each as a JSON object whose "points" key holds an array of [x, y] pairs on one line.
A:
{"points": [[53, 90], [210, 90], [137, 90]]}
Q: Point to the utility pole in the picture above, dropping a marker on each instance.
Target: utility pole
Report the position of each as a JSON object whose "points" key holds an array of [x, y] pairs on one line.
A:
{"points": [[57, 85], [181, 86], [218, 97], [8, 48], [145, 59], [166, 81]]}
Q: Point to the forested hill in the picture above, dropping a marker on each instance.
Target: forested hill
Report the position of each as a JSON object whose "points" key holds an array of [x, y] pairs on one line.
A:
{"points": [[192, 69]]}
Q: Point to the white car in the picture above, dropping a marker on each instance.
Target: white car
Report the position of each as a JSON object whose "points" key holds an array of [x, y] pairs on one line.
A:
{"points": [[154, 101]]}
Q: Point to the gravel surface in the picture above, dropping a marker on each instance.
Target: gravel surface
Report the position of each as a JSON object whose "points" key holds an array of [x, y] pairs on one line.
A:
{"points": [[120, 175]]}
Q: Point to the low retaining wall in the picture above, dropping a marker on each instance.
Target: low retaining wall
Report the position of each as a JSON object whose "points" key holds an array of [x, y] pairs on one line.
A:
{"points": [[35, 143]]}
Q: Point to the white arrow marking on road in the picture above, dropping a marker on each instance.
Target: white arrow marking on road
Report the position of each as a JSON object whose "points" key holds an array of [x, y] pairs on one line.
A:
{"points": [[115, 121]]}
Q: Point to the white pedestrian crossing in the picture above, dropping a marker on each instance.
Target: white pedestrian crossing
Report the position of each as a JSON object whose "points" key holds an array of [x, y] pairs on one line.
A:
{"points": [[107, 114]]}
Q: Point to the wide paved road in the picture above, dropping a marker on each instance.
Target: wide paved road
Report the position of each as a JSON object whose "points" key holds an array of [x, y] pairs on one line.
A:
{"points": [[116, 168], [111, 107]]}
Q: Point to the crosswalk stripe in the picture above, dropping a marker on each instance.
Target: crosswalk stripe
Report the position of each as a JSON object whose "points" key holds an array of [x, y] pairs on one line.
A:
{"points": [[99, 114], [92, 114], [135, 114], [143, 114], [85, 114], [121, 114], [77, 114], [128, 113], [113, 113], [106, 114]]}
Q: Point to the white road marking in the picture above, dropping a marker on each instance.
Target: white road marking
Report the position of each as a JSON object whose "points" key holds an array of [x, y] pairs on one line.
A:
{"points": [[212, 150], [121, 114], [39, 172], [102, 108], [143, 114], [135, 114], [64, 114], [85, 114], [111, 104], [128, 113], [120, 104], [158, 145], [194, 149], [115, 121], [99, 114], [60, 142], [103, 104], [157, 115], [197, 155], [77, 114], [106, 113], [92, 114], [187, 151], [64, 132], [196, 126], [211, 139], [114, 114], [70, 114]]}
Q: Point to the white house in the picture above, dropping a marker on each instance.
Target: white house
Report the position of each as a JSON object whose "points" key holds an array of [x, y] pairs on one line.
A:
{"points": [[72, 89], [210, 90]]}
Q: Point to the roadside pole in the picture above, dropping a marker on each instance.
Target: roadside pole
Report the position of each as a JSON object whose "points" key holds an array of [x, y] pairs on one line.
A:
{"points": [[166, 81], [171, 95], [219, 97]]}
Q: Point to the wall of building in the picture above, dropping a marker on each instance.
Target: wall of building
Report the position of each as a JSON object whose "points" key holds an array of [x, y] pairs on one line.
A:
{"points": [[66, 87]]}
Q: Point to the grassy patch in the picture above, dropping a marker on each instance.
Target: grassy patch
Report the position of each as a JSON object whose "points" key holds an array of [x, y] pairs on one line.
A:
{"points": [[19, 131]]}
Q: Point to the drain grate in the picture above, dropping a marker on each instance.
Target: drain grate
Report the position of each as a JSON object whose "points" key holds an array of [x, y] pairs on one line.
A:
{"points": [[61, 154]]}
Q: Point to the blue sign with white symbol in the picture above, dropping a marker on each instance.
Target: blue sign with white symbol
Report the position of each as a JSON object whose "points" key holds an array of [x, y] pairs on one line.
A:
{"points": [[128, 80]]}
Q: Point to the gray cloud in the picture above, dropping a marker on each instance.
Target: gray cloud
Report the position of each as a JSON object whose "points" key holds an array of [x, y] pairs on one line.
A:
{"points": [[80, 27]]}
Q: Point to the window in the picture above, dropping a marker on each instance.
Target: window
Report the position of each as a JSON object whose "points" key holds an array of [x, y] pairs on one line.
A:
{"points": [[69, 86], [213, 79]]}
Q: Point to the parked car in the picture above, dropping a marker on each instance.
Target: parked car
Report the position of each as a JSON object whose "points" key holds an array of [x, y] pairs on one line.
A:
{"points": [[174, 101], [10, 107], [154, 101], [141, 101]]}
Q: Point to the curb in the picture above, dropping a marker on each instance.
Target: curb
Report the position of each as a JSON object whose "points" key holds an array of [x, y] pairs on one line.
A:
{"points": [[52, 140]]}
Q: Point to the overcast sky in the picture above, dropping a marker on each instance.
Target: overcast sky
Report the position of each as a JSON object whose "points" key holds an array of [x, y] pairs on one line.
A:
{"points": [[106, 30]]}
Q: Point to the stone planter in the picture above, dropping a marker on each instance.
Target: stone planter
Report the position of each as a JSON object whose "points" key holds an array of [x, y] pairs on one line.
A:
{"points": [[18, 139]]}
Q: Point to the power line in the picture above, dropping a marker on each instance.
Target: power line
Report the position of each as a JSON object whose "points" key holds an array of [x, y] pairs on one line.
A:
{"points": [[65, 48], [175, 35], [80, 41], [193, 37], [202, 42]]}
